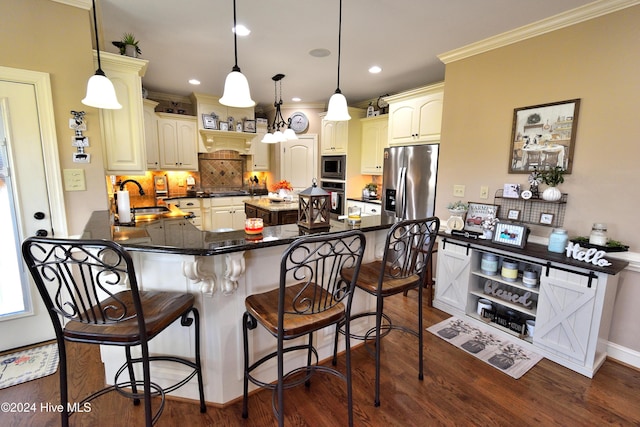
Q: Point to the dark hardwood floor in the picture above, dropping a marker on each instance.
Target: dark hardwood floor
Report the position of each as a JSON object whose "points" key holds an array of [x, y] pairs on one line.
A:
{"points": [[458, 390]]}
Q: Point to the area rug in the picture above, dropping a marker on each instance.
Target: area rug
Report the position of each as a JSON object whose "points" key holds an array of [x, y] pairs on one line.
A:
{"points": [[27, 365], [501, 353]]}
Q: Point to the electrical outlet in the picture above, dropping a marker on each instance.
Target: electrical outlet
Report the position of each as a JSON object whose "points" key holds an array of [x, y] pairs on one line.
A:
{"points": [[484, 192], [458, 190]]}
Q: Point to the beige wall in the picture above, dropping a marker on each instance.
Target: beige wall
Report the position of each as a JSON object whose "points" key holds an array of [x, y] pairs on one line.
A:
{"points": [[596, 61], [42, 35]]}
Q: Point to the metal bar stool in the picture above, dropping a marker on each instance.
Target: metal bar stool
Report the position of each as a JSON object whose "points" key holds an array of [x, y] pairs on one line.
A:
{"points": [[91, 286], [408, 249], [311, 296]]}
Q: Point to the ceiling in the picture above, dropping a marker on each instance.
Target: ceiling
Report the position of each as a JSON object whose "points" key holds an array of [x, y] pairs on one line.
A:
{"points": [[193, 39]]}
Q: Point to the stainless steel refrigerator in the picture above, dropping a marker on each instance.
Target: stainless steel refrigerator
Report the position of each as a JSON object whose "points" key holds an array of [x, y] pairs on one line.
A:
{"points": [[409, 181]]}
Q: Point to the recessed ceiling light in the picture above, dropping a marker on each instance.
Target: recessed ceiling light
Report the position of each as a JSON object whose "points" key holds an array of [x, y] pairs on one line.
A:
{"points": [[241, 30], [375, 69], [296, 99], [320, 53], [194, 81]]}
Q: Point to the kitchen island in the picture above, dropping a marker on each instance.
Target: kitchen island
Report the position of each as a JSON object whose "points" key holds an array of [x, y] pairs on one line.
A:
{"points": [[221, 270], [272, 212]]}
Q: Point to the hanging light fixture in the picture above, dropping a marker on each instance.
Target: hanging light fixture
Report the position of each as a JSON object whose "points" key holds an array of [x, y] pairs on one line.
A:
{"points": [[337, 110], [236, 87], [100, 90], [275, 135]]}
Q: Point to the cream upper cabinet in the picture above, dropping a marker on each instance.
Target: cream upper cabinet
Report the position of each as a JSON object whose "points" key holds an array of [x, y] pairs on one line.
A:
{"points": [[334, 137], [416, 116], [151, 135], [375, 132], [177, 142], [123, 130], [259, 150]]}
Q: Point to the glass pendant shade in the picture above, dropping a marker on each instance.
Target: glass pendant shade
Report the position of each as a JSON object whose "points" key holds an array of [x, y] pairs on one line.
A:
{"points": [[269, 139], [101, 93], [236, 91], [290, 135], [337, 111]]}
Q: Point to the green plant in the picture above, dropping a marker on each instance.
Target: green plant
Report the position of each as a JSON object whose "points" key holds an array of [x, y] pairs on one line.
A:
{"points": [[553, 176], [127, 39], [371, 187], [458, 206]]}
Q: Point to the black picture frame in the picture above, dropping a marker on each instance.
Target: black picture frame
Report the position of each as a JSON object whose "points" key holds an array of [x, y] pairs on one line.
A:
{"points": [[249, 126], [544, 136], [510, 234]]}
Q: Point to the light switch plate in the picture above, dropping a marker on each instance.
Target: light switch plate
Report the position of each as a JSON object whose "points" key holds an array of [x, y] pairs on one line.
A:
{"points": [[74, 180], [484, 192], [458, 190]]}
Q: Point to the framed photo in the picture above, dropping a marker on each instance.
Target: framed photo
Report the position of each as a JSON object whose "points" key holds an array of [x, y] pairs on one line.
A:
{"points": [[510, 234], [544, 136], [476, 214], [546, 218], [249, 126], [514, 214], [224, 125], [209, 121], [511, 191]]}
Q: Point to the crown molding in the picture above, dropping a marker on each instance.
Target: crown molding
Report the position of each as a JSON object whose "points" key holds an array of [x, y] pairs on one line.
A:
{"points": [[553, 23], [82, 4]]}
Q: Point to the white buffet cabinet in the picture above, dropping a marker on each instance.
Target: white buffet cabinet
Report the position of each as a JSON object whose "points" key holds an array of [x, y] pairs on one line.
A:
{"points": [[571, 306], [224, 281]]}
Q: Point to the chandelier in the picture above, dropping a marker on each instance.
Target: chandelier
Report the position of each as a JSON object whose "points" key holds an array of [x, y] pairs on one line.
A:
{"points": [[275, 134]]}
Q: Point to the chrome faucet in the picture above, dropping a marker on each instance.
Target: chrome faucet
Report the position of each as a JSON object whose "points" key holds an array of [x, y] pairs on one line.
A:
{"points": [[122, 184]]}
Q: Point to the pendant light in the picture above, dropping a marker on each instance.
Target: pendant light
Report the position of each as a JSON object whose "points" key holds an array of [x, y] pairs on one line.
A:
{"points": [[337, 110], [236, 87], [100, 90], [278, 121]]}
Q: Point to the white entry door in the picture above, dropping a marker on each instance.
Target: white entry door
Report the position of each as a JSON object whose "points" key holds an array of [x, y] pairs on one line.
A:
{"points": [[24, 203]]}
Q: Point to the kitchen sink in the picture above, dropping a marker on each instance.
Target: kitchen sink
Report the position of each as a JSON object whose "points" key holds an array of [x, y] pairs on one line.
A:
{"points": [[150, 210]]}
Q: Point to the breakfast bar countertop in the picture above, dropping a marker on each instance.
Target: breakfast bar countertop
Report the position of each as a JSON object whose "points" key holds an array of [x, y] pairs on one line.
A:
{"points": [[207, 243]]}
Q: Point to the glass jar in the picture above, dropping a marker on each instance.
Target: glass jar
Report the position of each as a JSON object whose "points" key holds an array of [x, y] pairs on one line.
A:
{"points": [[598, 234], [558, 240], [509, 270]]}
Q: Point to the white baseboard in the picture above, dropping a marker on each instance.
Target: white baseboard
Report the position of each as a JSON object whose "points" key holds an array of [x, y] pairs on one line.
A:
{"points": [[623, 354]]}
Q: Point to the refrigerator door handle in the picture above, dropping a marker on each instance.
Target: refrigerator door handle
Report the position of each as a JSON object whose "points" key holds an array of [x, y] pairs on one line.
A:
{"points": [[400, 193]]}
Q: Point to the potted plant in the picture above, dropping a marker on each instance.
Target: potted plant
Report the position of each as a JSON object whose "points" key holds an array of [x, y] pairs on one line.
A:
{"points": [[458, 207], [128, 45], [552, 177], [371, 190]]}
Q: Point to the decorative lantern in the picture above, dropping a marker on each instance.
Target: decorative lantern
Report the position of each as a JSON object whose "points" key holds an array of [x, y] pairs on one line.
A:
{"points": [[313, 208]]}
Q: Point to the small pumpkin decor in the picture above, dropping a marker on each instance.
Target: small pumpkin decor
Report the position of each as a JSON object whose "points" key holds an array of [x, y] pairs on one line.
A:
{"points": [[552, 177]]}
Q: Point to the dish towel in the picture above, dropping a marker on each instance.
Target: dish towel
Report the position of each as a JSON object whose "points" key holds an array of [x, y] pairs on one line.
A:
{"points": [[334, 200]]}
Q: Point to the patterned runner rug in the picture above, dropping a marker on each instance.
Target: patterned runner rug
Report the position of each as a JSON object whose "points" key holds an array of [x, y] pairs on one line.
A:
{"points": [[27, 365], [503, 354]]}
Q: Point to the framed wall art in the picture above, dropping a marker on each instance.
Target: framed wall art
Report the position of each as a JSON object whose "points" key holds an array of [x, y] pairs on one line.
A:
{"points": [[224, 125], [514, 214], [544, 136], [249, 126], [546, 218], [510, 234], [477, 213], [209, 121]]}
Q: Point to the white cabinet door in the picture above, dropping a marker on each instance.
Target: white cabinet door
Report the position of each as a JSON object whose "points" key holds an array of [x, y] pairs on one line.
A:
{"points": [[123, 129], [416, 116], [452, 283], [177, 143], [151, 135], [260, 151], [565, 318], [335, 137], [374, 140]]}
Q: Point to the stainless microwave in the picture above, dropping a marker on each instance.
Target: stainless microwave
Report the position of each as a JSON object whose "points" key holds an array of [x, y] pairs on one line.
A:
{"points": [[333, 167]]}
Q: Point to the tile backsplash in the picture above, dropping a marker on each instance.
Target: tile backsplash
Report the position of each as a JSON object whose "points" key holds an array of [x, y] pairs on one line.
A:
{"points": [[222, 169]]}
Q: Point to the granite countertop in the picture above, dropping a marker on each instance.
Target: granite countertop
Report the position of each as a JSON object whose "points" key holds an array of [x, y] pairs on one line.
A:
{"points": [[365, 200], [268, 204], [137, 238]]}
